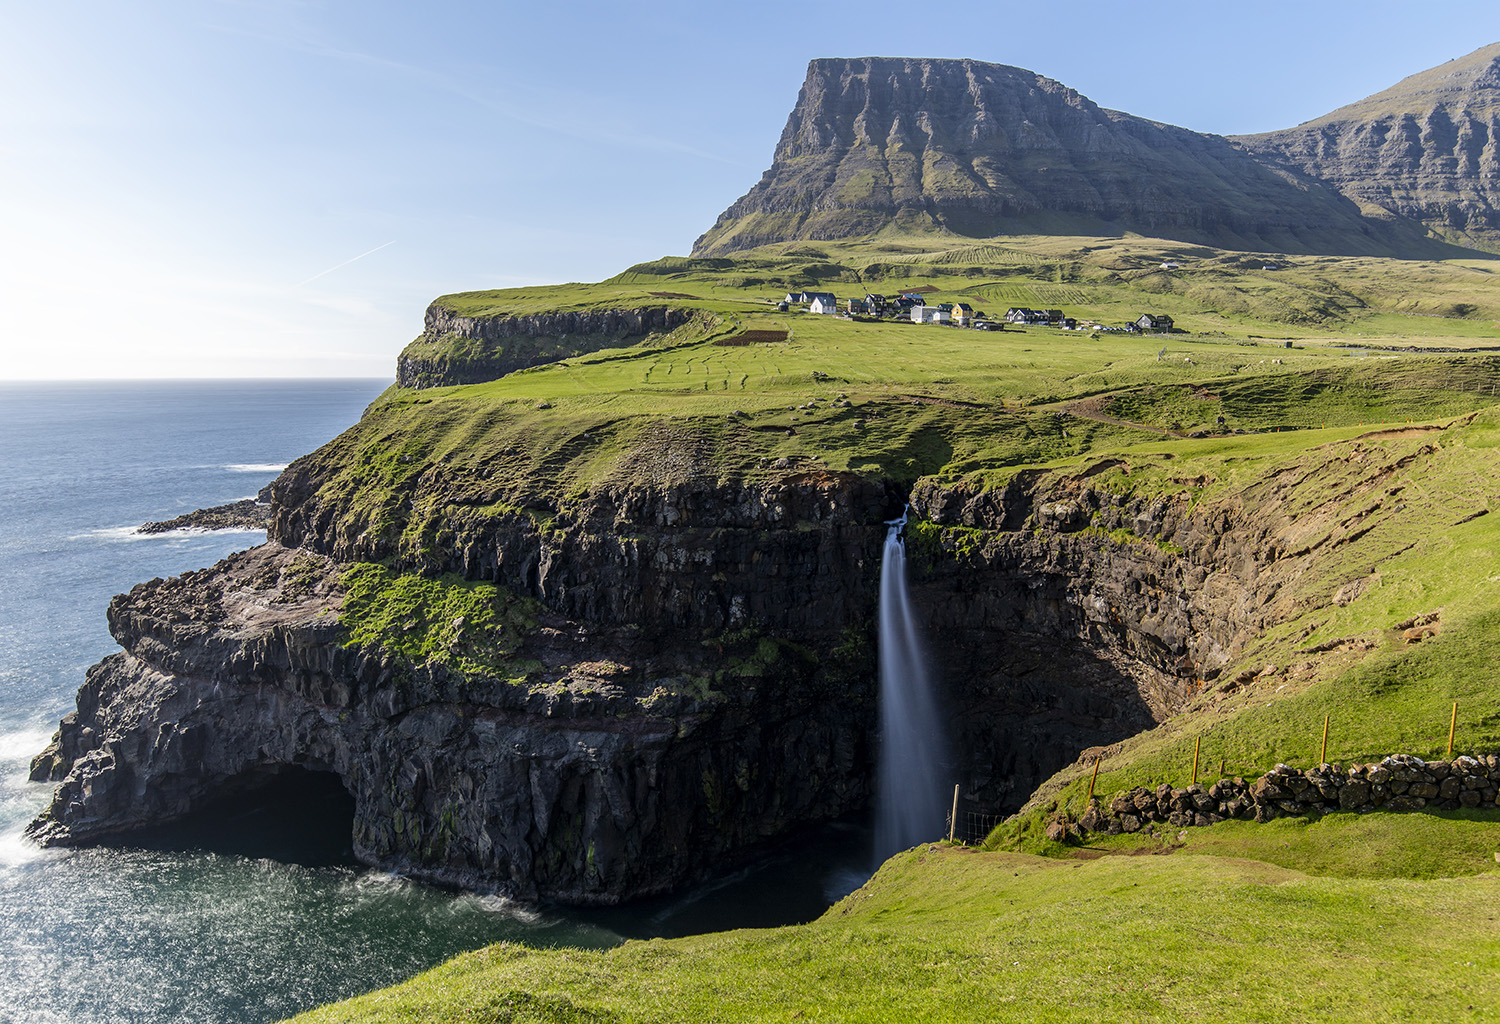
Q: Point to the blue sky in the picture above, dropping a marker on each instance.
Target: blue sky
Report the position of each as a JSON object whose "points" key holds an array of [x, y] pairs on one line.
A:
{"points": [[279, 187]]}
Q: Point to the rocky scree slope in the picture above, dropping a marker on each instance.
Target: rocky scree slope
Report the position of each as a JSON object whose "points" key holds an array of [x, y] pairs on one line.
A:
{"points": [[688, 671], [907, 145], [1427, 149]]}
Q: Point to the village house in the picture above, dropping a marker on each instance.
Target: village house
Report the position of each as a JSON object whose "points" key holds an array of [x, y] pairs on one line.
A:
{"points": [[858, 307], [1154, 324], [876, 304], [929, 315], [822, 302], [1041, 317]]}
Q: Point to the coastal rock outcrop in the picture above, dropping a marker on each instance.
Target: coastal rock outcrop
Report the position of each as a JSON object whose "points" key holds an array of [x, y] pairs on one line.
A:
{"points": [[613, 771], [245, 514]]}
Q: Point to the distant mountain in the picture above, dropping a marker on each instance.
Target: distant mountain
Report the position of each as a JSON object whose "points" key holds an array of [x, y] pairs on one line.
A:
{"points": [[891, 145], [1428, 148], [896, 146]]}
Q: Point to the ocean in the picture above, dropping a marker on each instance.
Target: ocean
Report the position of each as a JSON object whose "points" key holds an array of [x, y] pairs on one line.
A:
{"points": [[124, 934]]}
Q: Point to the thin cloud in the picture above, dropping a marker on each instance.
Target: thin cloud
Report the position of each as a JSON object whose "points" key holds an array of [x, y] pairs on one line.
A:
{"points": [[336, 266], [569, 127]]}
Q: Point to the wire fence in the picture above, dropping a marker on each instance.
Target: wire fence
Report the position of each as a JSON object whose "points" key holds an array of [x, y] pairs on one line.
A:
{"points": [[974, 828]]}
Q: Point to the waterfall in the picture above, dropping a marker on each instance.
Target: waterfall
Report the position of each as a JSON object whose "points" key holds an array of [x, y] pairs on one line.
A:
{"points": [[910, 782]]}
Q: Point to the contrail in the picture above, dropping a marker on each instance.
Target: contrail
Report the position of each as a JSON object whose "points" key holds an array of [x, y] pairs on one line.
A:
{"points": [[336, 266]]}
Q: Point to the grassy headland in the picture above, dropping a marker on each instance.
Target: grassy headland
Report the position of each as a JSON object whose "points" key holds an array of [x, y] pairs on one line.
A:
{"points": [[1331, 396]]}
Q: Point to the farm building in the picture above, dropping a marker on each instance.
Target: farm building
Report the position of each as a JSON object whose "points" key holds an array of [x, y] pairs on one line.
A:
{"points": [[822, 302], [1156, 324]]}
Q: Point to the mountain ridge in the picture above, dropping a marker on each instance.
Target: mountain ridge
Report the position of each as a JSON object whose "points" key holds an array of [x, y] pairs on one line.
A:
{"points": [[1427, 149], [893, 145]]}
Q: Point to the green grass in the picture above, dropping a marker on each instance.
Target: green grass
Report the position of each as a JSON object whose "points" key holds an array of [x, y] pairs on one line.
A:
{"points": [[1008, 937], [924, 401], [474, 628], [1403, 528], [1440, 844], [1339, 300]]}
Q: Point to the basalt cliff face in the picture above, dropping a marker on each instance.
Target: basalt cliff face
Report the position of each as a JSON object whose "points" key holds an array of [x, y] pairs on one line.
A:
{"points": [[918, 145], [456, 349], [697, 677], [1427, 149], [594, 786]]}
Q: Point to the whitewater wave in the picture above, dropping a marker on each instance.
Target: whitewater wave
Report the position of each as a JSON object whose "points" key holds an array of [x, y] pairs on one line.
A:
{"points": [[126, 534], [23, 744], [501, 906], [16, 850], [255, 467]]}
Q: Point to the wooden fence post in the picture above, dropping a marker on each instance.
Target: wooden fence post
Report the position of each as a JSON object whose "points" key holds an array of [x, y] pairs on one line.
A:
{"points": [[1197, 745], [1323, 757], [953, 818], [1452, 729], [1092, 778]]}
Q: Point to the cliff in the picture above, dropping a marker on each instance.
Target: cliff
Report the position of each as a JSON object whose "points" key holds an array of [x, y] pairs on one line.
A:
{"points": [[646, 683], [609, 770], [457, 349], [1425, 149], [879, 145]]}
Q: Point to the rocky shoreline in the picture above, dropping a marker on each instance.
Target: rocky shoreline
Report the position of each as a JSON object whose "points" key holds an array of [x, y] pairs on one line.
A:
{"points": [[245, 514]]}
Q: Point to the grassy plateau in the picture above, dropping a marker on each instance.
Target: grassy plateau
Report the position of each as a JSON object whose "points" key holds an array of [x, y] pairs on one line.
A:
{"points": [[1356, 396]]}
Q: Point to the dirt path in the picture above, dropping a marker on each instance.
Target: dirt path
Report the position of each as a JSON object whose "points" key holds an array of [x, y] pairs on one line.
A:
{"points": [[1092, 408]]}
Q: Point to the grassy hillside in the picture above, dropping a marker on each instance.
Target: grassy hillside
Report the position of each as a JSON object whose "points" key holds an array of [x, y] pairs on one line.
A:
{"points": [[1383, 451], [943, 933], [1407, 302]]}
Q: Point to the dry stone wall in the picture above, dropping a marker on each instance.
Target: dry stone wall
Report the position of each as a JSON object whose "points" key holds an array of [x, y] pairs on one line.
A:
{"points": [[1400, 782]]}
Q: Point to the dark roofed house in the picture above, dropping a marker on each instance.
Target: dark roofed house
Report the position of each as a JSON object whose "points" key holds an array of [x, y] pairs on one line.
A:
{"points": [[1156, 324], [1027, 315]]}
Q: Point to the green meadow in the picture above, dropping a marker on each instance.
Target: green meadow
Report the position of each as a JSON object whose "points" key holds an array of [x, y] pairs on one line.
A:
{"points": [[942, 934]]}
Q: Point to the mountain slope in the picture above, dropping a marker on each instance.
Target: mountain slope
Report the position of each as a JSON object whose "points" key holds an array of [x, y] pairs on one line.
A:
{"points": [[1428, 148], [915, 145]]}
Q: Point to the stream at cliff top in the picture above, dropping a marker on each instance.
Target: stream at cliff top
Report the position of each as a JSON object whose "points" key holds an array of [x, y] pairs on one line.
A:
{"points": [[144, 935]]}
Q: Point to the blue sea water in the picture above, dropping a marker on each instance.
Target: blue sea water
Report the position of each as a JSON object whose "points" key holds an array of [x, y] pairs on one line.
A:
{"points": [[128, 935]]}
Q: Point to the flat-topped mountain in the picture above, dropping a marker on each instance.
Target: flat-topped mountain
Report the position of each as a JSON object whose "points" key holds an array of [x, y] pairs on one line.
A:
{"points": [[914, 145], [1428, 148]]}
